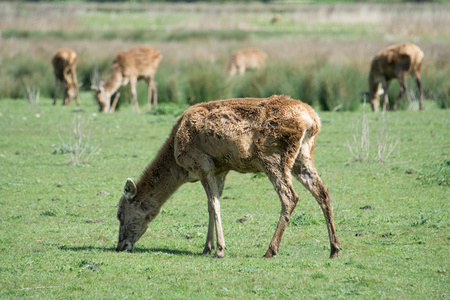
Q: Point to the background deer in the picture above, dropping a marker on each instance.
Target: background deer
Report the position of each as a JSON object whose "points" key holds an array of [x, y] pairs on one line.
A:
{"points": [[64, 66], [128, 67], [394, 62], [245, 59], [275, 135]]}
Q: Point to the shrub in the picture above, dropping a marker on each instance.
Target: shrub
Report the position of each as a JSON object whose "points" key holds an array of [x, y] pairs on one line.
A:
{"points": [[340, 88], [20, 72], [436, 86], [206, 82]]}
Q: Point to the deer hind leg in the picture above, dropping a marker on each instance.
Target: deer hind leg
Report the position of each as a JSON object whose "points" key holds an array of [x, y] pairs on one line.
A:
{"points": [[57, 84], [385, 85], [75, 82], [419, 86], [133, 87], [305, 172], [402, 82], [279, 174], [152, 87], [67, 85], [241, 70], [155, 93]]}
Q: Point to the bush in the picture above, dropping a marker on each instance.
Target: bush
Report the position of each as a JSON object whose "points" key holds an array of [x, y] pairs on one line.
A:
{"points": [[340, 88], [206, 82], [326, 85], [436, 86], [20, 71]]}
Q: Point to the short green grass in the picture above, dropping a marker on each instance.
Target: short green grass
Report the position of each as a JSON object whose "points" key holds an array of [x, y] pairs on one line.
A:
{"points": [[59, 231]]}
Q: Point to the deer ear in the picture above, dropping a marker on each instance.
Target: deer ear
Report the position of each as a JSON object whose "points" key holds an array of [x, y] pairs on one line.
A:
{"points": [[130, 190]]}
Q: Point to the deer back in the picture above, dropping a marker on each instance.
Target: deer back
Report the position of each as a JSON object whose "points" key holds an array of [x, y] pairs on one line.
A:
{"points": [[139, 61], [393, 60], [64, 60], [250, 58], [235, 133]]}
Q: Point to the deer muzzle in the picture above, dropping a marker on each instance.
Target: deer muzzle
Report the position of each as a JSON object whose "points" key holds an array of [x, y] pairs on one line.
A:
{"points": [[125, 245]]}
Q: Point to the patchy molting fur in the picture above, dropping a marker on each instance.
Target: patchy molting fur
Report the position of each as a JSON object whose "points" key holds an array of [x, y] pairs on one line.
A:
{"points": [[275, 135]]}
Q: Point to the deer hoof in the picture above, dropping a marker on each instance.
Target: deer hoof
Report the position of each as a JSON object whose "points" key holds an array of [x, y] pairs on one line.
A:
{"points": [[207, 250], [335, 251], [270, 253]]}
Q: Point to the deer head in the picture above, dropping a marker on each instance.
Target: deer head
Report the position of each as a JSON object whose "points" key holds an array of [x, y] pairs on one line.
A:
{"points": [[103, 98], [132, 217]]}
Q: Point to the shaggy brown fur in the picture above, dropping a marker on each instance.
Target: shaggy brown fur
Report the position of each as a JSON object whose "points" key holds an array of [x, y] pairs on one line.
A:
{"points": [[128, 67], [275, 135], [65, 68], [245, 59], [394, 62]]}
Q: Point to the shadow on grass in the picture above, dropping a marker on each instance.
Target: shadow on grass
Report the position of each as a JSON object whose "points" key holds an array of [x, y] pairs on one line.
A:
{"points": [[136, 250]]}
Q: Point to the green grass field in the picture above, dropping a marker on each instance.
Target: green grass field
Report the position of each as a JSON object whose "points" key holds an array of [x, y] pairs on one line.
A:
{"points": [[59, 227]]}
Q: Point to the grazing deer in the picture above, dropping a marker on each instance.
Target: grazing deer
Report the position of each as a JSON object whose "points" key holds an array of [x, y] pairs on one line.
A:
{"points": [[64, 66], [275, 135], [276, 18], [394, 62], [246, 59], [128, 67]]}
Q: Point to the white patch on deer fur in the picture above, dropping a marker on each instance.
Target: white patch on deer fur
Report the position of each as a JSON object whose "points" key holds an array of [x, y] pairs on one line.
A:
{"points": [[130, 246], [307, 180]]}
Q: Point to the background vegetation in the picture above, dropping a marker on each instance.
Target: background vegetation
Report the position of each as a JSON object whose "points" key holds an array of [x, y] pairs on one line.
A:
{"points": [[318, 53]]}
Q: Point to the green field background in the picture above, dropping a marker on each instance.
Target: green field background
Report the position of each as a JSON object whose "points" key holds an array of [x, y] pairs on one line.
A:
{"points": [[319, 53]]}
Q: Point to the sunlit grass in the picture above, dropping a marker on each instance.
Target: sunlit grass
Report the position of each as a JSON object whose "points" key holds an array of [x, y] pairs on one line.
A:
{"points": [[59, 228]]}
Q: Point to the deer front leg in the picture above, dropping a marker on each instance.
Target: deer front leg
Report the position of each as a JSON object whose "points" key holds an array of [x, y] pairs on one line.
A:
{"points": [[133, 84], [209, 245], [211, 187], [199, 163], [152, 88], [220, 179]]}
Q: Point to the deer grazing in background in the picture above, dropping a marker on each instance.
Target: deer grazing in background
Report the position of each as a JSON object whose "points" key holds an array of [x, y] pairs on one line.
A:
{"points": [[246, 59], [128, 67], [64, 66], [275, 135], [394, 62], [276, 18]]}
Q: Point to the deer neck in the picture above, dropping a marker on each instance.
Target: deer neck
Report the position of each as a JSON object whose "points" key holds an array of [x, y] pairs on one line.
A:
{"points": [[161, 179], [114, 82]]}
